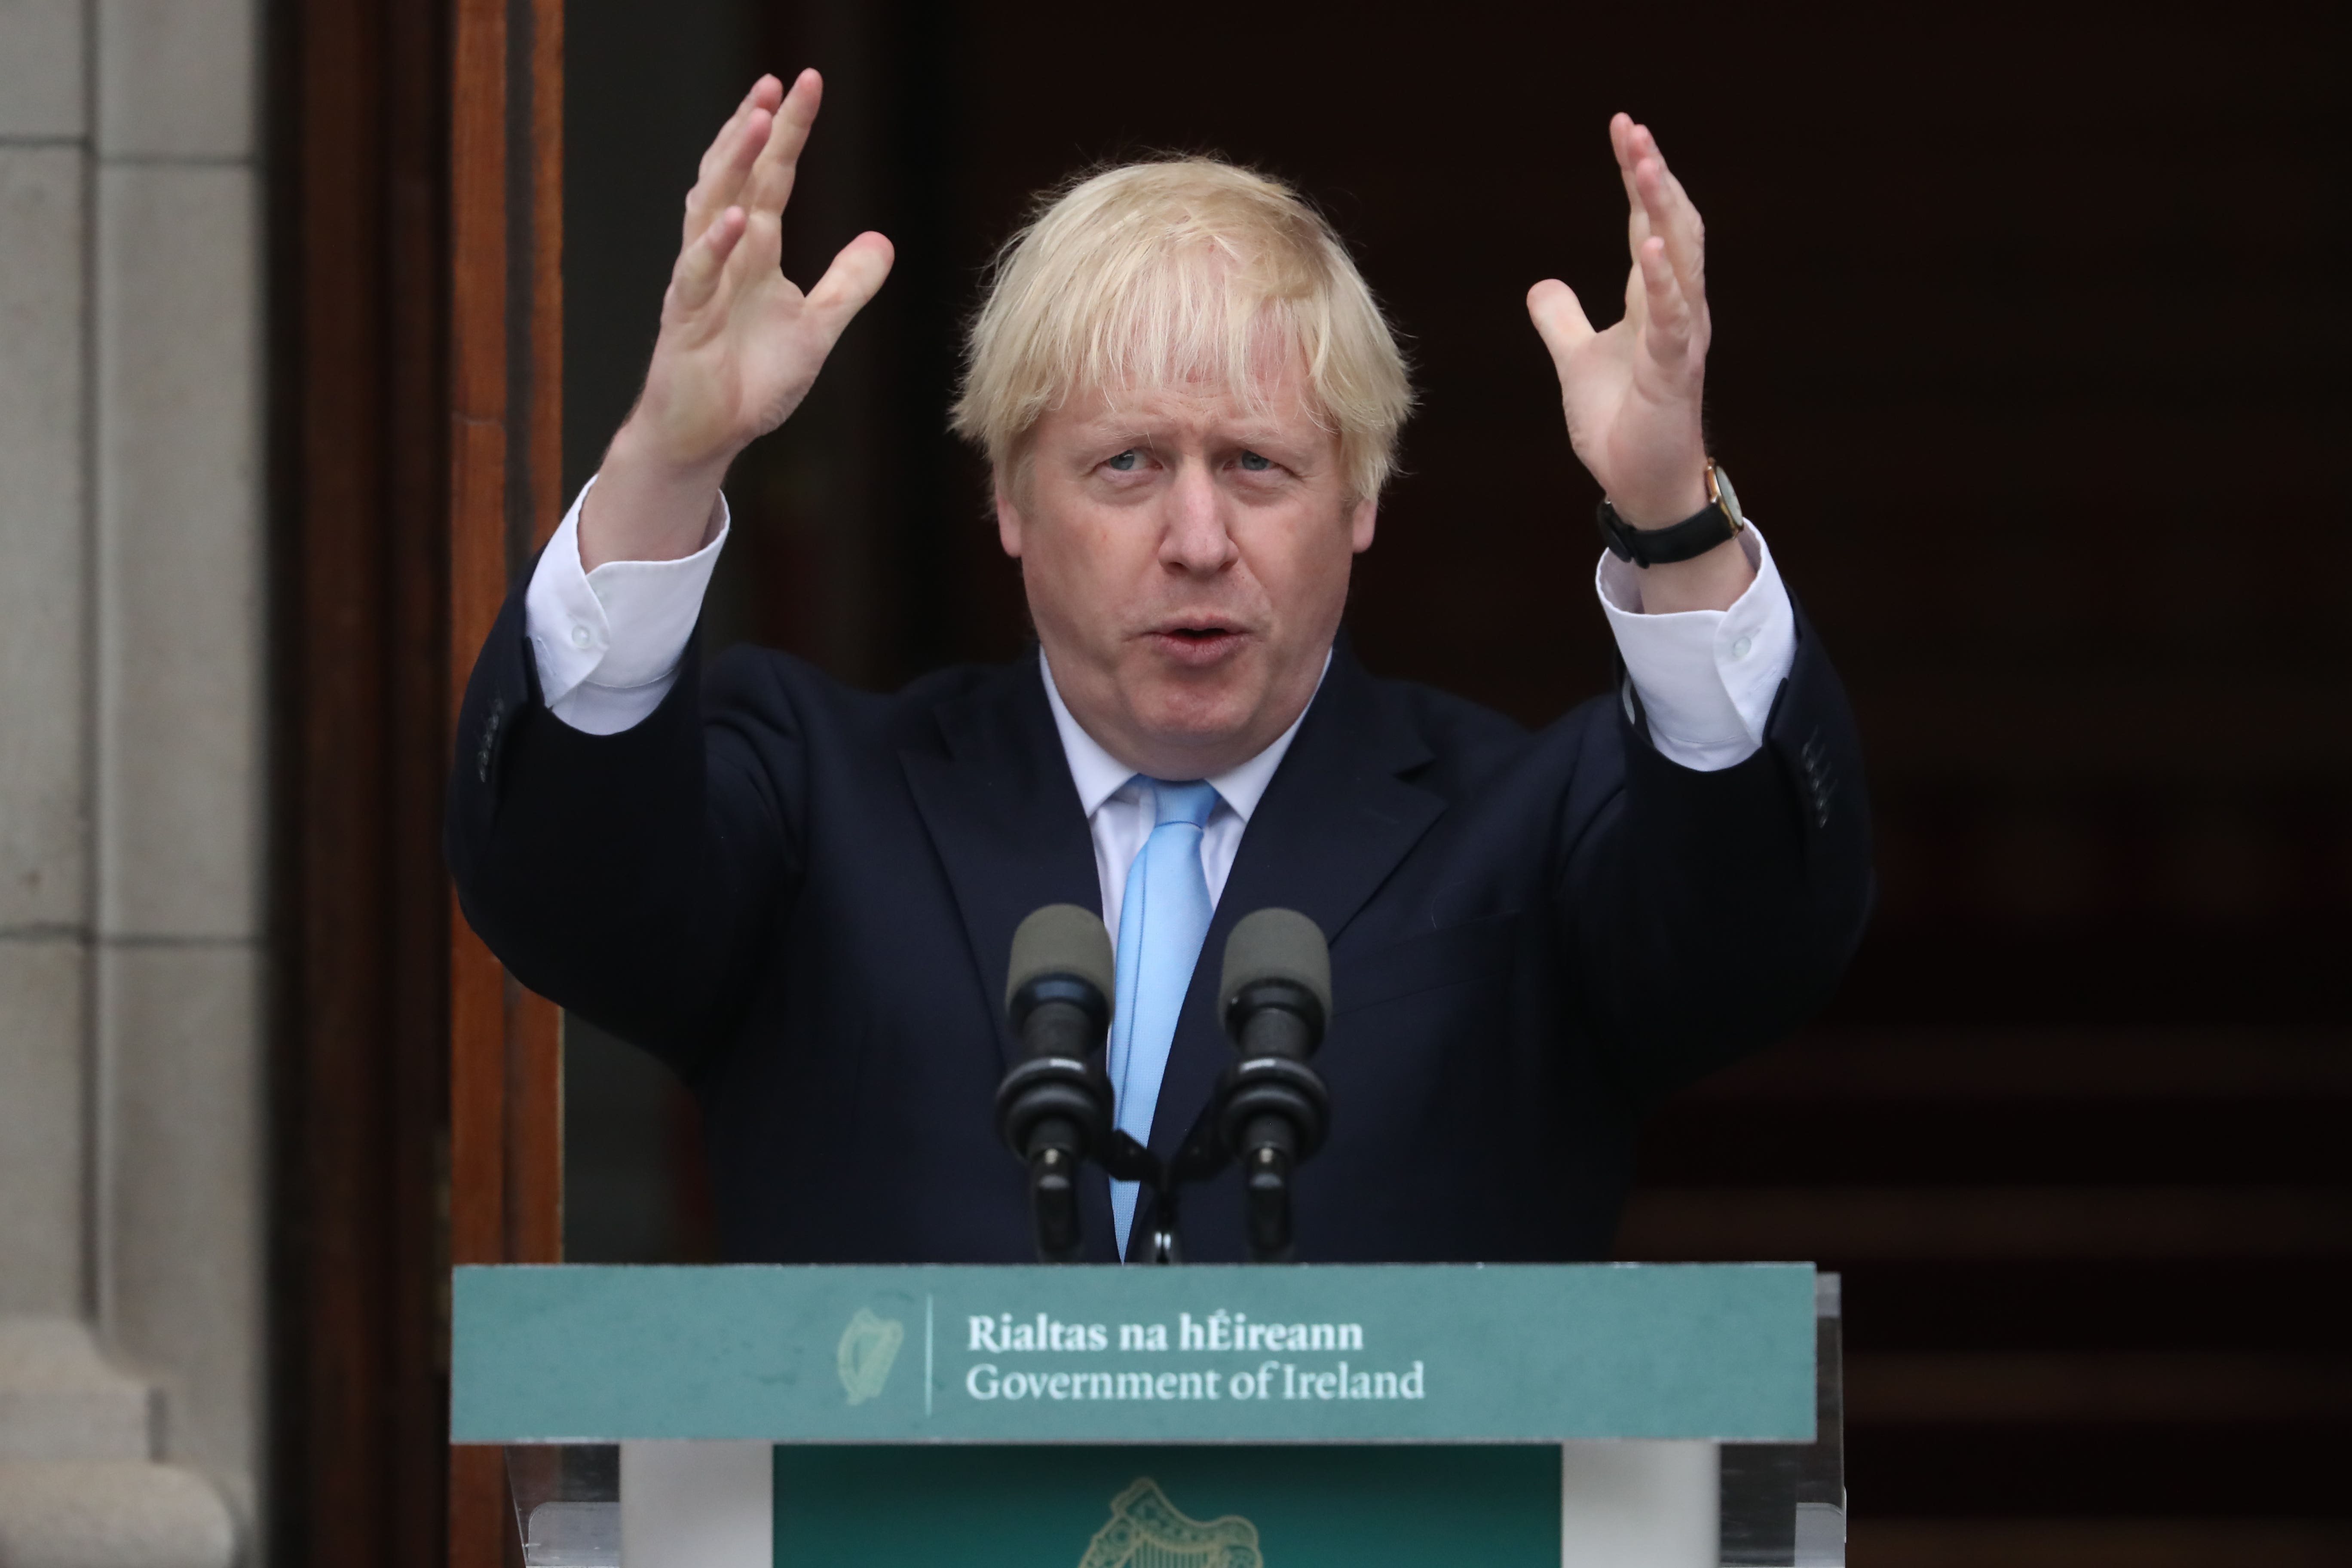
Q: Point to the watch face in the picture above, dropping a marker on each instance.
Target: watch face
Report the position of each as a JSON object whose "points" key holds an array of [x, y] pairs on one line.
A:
{"points": [[1728, 498]]}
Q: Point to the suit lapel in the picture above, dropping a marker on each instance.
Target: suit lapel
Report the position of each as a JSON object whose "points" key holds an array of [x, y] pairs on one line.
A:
{"points": [[1006, 819], [1333, 822]]}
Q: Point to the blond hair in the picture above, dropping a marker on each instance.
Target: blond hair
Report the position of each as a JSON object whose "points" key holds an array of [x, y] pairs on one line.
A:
{"points": [[1181, 269]]}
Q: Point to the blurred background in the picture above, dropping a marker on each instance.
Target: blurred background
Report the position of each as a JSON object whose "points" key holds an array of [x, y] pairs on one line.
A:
{"points": [[2029, 322]]}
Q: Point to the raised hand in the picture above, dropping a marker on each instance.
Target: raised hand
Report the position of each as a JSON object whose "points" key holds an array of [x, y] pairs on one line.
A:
{"points": [[739, 345], [1633, 392]]}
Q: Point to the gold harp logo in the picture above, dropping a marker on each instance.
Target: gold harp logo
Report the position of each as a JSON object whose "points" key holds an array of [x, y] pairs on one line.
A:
{"points": [[1145, 1532], [869, 1346]]}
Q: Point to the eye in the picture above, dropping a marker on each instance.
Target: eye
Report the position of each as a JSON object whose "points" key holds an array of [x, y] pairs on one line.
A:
{"points": [[1252, 463], [1125, 463]]}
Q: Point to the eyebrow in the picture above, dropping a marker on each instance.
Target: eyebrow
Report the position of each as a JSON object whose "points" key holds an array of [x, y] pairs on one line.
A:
{"points": [[1123, 430]]}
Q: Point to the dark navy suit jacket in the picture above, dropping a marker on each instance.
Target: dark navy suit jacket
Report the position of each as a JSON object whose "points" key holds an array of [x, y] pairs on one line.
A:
{"points": [[802, 898]]}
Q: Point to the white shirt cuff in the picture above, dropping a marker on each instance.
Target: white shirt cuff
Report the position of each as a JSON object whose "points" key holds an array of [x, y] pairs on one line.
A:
{"points": [[1706, 678], [608, 642]]}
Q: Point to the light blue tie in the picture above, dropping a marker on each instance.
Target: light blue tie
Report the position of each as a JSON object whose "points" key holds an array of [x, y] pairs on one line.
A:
{"points": [[1163, 918]]}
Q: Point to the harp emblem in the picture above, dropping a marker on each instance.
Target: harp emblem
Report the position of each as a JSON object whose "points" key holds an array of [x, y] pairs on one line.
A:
{"points": [[867, 1348], [1145, 1532]]}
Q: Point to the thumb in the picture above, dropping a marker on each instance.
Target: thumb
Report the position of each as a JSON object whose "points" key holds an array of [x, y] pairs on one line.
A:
{"points": [[855, 278], [1558, 319]]}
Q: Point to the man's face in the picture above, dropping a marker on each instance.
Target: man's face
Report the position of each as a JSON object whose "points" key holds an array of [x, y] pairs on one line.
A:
{"points": [[1187, 563]]}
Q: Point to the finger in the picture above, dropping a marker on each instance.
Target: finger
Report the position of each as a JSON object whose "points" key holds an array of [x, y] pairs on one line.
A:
{"points": [[855, 278], [1637, 217], [701, 265], [757, 98], [763, 97], [1674, 221], [725, 168], [1559, 319], [771, 184], [1672, 216], [1621, 143], [1667, 332]]}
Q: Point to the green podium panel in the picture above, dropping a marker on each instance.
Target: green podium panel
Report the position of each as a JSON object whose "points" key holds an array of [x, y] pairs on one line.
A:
{"points": [[1184, 1417], [949, 1354], [1229, 1506]]}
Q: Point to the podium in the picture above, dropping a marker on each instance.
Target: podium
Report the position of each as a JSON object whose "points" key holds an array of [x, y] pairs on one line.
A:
{"points": [[1159, 1417]]}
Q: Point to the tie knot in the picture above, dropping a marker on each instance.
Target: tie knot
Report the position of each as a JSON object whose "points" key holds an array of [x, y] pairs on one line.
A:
{"points": [[1190, 802]]}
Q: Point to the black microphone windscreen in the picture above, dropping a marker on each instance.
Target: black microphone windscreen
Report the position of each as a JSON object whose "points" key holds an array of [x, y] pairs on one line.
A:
{"points": [[1062, 939], [1276, 944]]}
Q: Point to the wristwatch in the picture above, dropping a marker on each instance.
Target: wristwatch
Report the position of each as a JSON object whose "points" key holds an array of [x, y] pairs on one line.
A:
{"points": [[1694, 535]]}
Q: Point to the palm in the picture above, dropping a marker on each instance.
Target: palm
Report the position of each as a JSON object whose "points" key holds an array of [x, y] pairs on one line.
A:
{"points": [[740, 365], [1633, 392], [782, 348]]}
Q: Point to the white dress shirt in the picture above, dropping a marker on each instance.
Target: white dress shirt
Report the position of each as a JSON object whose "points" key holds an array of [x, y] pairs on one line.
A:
{"points": [[1122, 814], [608, 643]]}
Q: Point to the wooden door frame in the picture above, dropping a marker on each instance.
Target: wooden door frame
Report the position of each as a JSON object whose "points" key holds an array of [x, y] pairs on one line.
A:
{"points": [[506, 422], [416, 231], [357, 112]]}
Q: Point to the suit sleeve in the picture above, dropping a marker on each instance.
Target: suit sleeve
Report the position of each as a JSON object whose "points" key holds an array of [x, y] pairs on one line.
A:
{"points": [[629, 877], [1711, 912]]}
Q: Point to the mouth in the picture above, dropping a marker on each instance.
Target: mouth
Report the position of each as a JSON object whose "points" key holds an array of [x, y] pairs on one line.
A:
{"points": [[1196, 643]]}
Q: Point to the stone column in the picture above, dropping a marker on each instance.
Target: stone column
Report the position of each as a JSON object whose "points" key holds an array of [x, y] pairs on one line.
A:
{"points": [[132, 624]]}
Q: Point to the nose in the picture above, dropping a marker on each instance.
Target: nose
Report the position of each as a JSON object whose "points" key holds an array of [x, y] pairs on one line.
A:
{"points": [[1193, 538]]}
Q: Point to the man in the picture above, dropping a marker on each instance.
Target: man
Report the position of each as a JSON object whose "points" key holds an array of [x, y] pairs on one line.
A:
{"points": [[803, 897]]}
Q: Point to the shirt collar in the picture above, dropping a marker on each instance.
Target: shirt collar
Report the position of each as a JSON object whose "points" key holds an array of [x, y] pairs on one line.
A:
{"points": [[1099, 775]]}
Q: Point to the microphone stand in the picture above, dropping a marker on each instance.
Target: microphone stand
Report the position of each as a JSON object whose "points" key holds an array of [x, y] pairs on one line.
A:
{"points": [[1204, 1154], [1125, 1160]]}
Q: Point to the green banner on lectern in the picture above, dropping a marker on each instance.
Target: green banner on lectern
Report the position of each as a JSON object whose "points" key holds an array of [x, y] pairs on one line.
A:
{"points": [[1528, 1353], [1218, 1506]]}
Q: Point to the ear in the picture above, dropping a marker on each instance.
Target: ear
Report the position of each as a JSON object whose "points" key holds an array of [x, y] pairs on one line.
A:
{"points": [[1360, 523], [1008, 518]]}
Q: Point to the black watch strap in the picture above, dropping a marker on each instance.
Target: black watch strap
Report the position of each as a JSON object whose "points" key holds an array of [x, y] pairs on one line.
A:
{"points": [[1694, 535]]}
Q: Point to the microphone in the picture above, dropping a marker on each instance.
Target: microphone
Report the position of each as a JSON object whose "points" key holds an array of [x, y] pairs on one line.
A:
{"points": [[1053, 1108], [1272, 1110]]}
